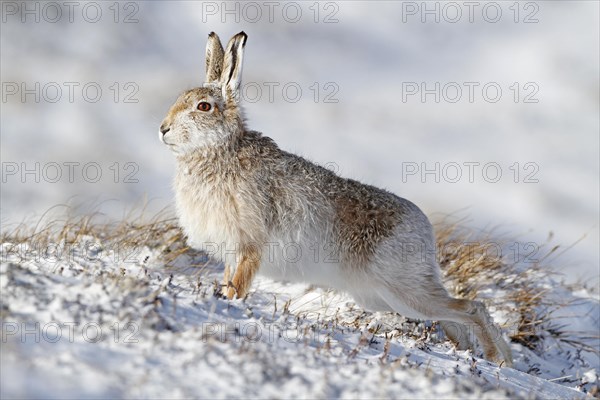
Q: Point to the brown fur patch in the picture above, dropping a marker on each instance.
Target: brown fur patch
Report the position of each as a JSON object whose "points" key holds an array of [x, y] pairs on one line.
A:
{"points": [[364, 218]]}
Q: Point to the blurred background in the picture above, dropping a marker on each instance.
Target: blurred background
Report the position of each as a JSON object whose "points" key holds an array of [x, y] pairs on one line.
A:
{"points": [[485, 111]]}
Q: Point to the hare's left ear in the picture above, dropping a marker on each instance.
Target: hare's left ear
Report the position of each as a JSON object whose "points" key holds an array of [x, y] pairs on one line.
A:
{"points": [[231, 76], [214, 58]]}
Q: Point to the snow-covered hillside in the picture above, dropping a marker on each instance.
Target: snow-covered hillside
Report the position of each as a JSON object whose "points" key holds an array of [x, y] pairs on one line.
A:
{"points": [[93, 314]]}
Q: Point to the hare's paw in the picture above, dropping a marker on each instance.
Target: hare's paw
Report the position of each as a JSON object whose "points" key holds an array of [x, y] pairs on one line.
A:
{"points": [[458, 334], [504, 348]]}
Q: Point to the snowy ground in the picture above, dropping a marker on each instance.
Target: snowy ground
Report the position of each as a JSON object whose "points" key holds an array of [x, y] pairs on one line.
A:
{"points": [[105, 324]]}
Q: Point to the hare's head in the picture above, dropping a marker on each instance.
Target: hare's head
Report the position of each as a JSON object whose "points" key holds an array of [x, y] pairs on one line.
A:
{"points": [[211, 114]]}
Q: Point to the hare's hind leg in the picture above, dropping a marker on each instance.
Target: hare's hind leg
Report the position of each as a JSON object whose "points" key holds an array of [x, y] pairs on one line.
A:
{"points": [[457, 315]]}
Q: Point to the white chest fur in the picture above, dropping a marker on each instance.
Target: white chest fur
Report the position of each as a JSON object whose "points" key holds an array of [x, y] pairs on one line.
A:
{"points": [[208, 214]]}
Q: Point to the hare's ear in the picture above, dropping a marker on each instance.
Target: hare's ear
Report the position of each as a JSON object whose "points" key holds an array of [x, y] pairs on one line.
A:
{"points": [[232, 67], [214, 58]]}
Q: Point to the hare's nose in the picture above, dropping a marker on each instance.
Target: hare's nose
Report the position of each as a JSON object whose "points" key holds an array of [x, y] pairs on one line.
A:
{"points": [[164, 128]]}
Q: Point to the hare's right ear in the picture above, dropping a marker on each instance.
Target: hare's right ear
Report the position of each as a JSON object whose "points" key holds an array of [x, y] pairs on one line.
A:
{"points": [[231, 76], [214, 58]]}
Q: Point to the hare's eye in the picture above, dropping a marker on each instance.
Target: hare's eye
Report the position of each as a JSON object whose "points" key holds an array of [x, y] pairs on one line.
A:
{"points": [[204, 106]]}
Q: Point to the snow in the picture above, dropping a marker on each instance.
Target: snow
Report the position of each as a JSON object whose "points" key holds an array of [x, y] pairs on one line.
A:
{"points": [[97, 327]]}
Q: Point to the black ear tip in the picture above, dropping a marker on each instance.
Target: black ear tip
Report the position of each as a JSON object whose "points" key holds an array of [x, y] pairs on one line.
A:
{"points": [[244, 36], [212, 34]]}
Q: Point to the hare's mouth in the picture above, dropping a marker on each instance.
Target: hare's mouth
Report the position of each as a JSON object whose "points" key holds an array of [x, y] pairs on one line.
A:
{"points": [[161, 137]]}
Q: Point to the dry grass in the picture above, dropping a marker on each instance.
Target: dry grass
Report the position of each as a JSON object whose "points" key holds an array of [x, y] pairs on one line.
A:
{"points": [[480, 265], [134, 230], [470, 261]]}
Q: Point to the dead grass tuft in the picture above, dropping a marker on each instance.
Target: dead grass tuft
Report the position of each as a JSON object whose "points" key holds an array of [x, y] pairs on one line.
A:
{"points": [[508, 276]]}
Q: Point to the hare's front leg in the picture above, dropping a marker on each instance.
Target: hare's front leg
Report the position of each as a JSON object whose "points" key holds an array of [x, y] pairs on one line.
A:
{"points": [[244, 274], [226, 281]]}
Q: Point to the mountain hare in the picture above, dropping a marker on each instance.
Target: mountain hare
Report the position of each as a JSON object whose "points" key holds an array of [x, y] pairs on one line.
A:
{"points": [[258, 208]]}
